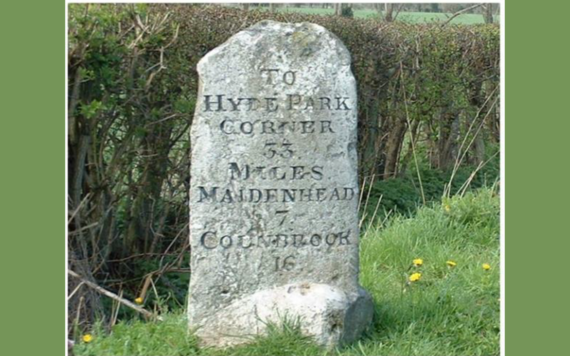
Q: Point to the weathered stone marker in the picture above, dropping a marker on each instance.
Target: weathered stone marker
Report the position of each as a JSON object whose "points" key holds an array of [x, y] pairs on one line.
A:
{"points": [[274, 188]]}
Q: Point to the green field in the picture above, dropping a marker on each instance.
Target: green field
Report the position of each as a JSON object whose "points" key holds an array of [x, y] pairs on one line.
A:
{"points": [[451, 310], [410, 17]]}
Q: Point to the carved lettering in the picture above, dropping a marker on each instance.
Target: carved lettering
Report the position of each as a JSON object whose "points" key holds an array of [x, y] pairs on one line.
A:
{"points": [[289, 77], [212, 240], [275, 195], [218, 103], [293, 102], [341, 103], [204, 194], [269, 74]]}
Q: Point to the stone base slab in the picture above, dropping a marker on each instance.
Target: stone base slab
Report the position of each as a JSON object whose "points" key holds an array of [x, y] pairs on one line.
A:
{"points": [[328, 314]]}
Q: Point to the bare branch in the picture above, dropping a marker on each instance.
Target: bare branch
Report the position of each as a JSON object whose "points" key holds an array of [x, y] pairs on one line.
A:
{"points": [[459, 13], [115, 297]]}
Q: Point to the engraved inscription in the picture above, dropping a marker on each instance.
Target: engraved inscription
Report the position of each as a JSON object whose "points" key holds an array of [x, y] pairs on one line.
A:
{"points": [[225, 103], [273, 195], [212, 240], [277, 147]]}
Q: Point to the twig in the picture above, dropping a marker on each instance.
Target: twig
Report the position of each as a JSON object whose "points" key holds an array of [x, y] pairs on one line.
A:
{"points": [[387, 216], [400, 6], [361, 193], [373, 216], [376, 209], [146, 284], [75, 290], [78, 313], [459, 13], [72, 215], [114, 296], [115, 311], [465, 185], [461, 156], [411, 136], [87, 227], [370, 185]]}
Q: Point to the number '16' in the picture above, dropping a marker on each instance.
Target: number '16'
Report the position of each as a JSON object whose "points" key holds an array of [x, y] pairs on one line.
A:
{"points": [[286, 264]]}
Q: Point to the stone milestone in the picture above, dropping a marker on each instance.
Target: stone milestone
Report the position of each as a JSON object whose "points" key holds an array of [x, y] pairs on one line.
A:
{"points": [[274, 188]]}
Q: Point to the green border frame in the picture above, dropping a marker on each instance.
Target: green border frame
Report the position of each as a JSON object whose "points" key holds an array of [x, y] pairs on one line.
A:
{"points": [[32, 142], [32, 146]]}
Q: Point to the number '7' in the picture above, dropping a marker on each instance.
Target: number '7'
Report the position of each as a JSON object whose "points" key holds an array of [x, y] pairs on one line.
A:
{"points": [[284, 212]]}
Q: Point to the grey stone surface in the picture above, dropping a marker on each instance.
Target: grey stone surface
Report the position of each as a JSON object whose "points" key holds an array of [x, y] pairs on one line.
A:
{"points": [[274, 188], [325, 312]]}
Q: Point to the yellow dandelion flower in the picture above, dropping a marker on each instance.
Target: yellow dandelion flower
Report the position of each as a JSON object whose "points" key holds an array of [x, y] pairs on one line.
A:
{"points": [[415, 277], [447, 208], [139, 300], [451, 263], [418, 262], [87, 338], [486, 266]]}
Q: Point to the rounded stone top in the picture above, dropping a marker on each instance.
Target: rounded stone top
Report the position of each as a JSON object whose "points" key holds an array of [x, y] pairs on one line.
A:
{"points": [[304, 41]]}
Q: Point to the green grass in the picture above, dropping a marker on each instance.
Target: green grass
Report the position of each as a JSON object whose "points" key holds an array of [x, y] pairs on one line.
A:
{"points": [[450, 311], [410, 17]]}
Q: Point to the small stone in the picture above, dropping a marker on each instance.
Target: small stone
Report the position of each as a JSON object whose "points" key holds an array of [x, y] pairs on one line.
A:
{"points": [[328, 314]]}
